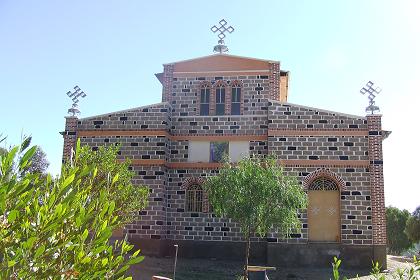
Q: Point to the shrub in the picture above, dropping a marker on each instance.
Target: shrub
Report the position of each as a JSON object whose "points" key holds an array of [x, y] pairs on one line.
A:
{"points": [[397, 240], [412, 228], [129, 199], [59, 228], [412, 273]]}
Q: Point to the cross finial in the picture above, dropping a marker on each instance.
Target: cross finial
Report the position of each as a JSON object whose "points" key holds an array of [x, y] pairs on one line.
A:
{"points": [[221, 48], [75, 98], [372, 92]]}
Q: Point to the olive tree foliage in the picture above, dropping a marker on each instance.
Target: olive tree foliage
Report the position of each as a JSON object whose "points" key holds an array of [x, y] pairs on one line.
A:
{"points": [[257, 194], [59, 228], [2, 150], [129, 199], [397, 240], [412, 228], [39, 162]]}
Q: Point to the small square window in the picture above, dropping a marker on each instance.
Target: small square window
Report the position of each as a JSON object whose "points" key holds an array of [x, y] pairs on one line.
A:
{"points": [[218, 150]]}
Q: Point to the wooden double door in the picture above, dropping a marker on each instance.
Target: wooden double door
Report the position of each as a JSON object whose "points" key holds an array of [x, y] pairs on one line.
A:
{"points": [[324, 215]]}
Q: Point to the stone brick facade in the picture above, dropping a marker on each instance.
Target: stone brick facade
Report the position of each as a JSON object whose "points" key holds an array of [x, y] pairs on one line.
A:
{"points": [[308, 142]]}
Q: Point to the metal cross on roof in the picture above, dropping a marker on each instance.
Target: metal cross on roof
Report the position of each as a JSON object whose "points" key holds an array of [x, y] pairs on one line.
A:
{"points": [[221, 48], [75, 98], [372, 92]]}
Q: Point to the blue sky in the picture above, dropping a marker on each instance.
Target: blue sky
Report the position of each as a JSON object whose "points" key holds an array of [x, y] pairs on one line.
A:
{"points": [[112, 49]]}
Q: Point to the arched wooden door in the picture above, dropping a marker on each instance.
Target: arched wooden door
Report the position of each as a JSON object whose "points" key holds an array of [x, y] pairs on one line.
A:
{"points": [[324, 217]]}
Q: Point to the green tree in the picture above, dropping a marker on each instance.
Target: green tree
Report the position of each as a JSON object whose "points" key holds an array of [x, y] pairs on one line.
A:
{"points": [[412, 228], [396, 220], [39, 162], [59, 229], [257, 194], [129, 199]]}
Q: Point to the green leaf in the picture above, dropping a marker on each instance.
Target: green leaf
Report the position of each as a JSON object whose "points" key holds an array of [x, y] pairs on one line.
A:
{"points": [[68, 181], [86, 259], [58, 210], [84, 235], [111, 207], [115, 179], [104, 225], [98, 250], [136, 253], [135, 260], [40, 251], [25, 143], [12, 216], [30, 242], [122, 270], [80, 254], [10, 156], [104, 261], [11, 263], [26, 157]]}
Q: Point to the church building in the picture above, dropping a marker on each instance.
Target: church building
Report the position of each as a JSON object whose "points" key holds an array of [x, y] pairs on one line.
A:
{"points": [[226, 104]]}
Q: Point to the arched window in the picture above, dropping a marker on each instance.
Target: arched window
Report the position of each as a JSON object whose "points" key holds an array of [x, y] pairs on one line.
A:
{"points": [[323, 211], [220, 99], [194, 198], [204, 100], [236, 99]]}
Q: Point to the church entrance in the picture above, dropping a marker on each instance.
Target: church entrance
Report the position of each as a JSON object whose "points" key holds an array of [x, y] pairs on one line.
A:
{"points": [[324, 211]]}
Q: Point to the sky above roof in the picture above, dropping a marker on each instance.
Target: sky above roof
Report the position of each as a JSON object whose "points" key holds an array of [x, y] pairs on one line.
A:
{"points": [[112, 49]]}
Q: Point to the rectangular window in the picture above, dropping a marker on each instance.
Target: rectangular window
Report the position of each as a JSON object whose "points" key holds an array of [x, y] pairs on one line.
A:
{"points": [[220, 101], [218, 150], [205, 151], [238, 150], [198, 151], [204, 101], [236, 101]]}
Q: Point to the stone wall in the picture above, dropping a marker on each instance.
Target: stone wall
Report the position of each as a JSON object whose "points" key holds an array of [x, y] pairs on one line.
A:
{"points": [[290, 116], [185, 93], [220, 125], [152, 117]]}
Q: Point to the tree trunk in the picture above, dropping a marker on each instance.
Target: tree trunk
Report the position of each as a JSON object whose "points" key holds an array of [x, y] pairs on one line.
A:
{"points": [[247, 247]]}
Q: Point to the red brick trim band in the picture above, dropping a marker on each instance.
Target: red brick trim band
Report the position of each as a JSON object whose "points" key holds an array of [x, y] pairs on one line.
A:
{"points": [[317, 132], [307, 181], [90, 133], [324, 163], [288, 163], [104, 133]]}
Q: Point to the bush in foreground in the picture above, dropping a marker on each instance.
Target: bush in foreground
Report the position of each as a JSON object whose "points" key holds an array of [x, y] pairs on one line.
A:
{"points": [[59, 228], [412, 273]]}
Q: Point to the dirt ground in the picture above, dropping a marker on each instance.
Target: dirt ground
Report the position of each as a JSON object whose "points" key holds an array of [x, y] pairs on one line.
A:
{"points": [[200, 269]]}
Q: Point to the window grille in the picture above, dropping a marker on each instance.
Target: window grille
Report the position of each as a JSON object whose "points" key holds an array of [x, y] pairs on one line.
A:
{"points": [[236, 100], [323, 184], [205, 100], [194, 199], [220, 100], [218, 150]]}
